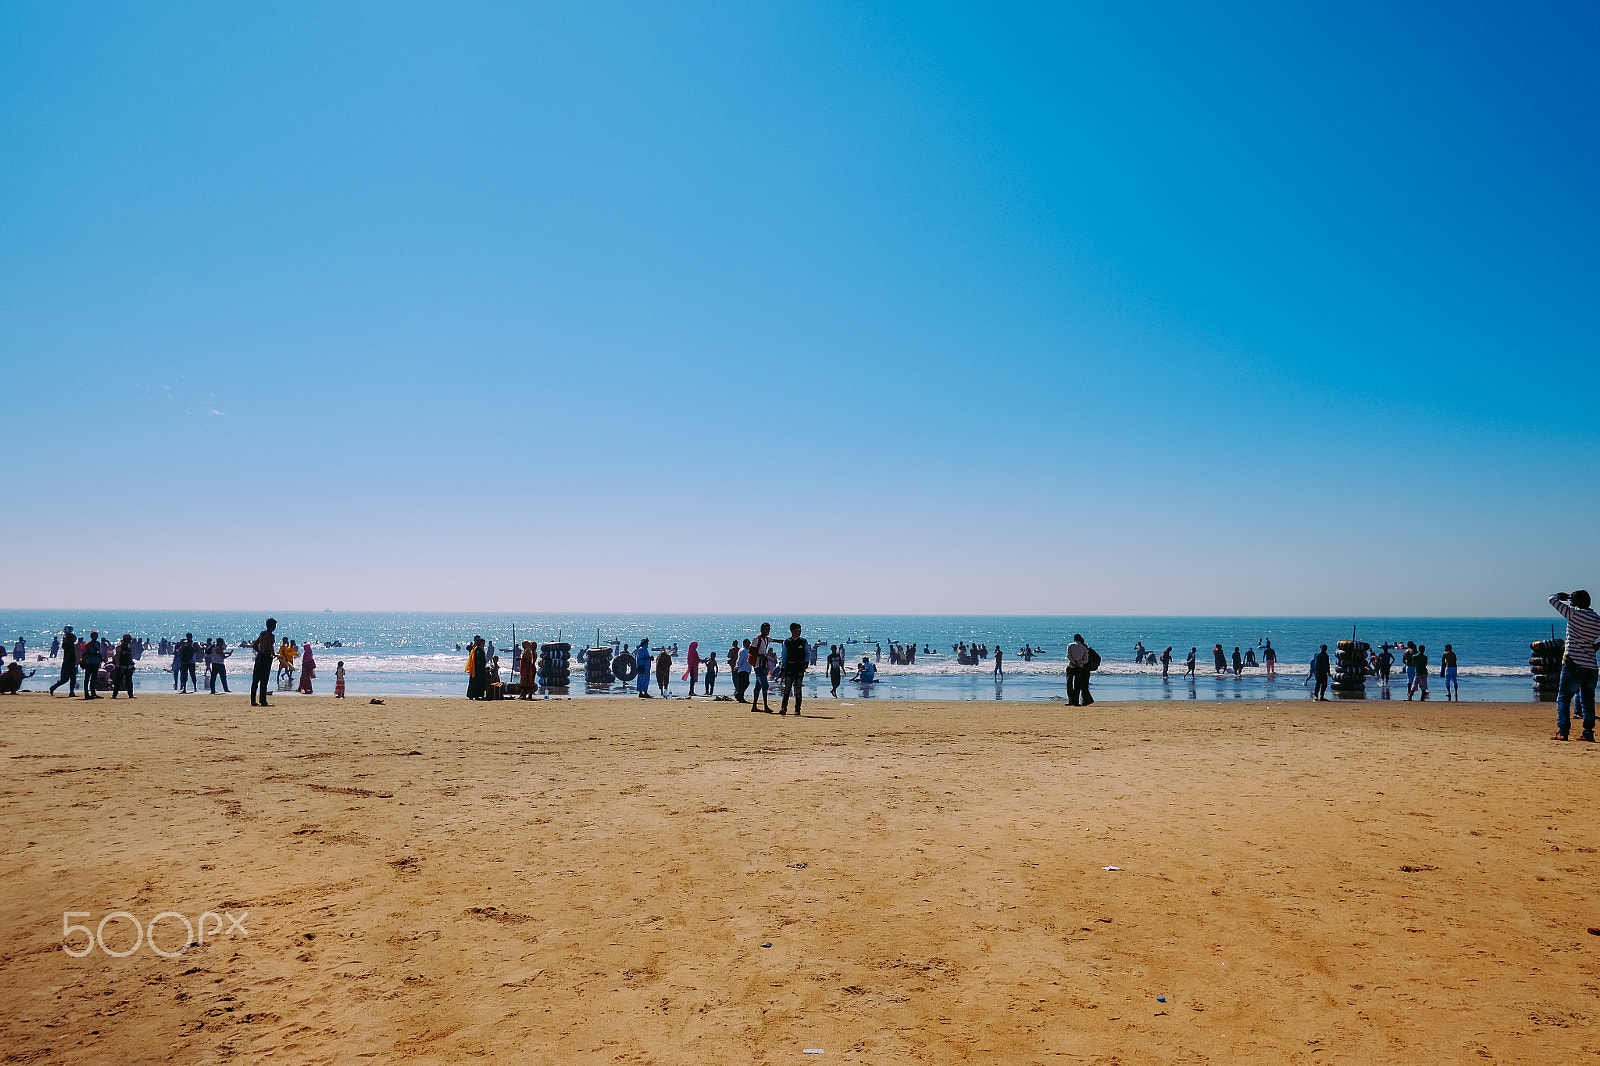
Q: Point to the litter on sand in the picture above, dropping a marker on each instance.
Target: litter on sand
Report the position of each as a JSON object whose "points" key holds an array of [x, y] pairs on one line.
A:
{"points": [[812, 1051], [768, 944], [1110, 867]]}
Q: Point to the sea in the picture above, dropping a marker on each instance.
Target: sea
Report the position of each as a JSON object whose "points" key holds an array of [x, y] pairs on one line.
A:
{"points": [[423, 653]]}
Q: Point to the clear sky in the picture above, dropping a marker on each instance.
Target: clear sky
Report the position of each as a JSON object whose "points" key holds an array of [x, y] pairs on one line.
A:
{"points": [[1004, 308]]}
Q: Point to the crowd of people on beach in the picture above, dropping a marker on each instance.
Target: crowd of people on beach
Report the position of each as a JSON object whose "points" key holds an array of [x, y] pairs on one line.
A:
{"points": [[759, 664], [1377, 663], [98, 664]]}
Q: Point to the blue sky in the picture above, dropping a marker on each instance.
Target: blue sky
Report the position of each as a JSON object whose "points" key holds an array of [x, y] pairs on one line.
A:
{"points": [[1069, 308]]}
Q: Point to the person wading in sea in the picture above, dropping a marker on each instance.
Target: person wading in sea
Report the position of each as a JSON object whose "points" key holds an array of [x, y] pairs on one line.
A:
{"points": [[835, 668], [1319, 671]]}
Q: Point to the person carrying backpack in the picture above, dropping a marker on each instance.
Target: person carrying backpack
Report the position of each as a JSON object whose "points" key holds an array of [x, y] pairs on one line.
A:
{"points": [[1081, 662]]}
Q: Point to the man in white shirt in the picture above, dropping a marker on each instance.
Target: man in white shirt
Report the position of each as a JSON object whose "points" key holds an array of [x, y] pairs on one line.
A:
{"points": [[760, 667], [1078, 673], [1578, 668]]}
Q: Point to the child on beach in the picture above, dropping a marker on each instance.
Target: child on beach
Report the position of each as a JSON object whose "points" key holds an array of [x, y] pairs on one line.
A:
{"points": [[711, 674], [338, 681]]}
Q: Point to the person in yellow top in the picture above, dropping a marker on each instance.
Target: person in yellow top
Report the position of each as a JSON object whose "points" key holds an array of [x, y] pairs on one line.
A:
{"points": [[286, 658]]}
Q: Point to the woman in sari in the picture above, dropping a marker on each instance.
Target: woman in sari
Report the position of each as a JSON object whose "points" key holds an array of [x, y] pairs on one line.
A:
{"points": [[308, 669], [530, 662], [692, 675]]}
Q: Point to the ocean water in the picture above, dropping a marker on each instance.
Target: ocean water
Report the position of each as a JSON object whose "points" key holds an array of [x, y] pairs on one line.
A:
{"points": [[415, 653]]}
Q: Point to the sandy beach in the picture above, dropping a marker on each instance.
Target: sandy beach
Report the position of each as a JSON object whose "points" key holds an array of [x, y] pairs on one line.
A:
{"points": [[686, 882]]}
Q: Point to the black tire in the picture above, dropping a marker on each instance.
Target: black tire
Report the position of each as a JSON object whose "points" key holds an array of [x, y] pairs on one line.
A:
{"points": [[624, 667]]}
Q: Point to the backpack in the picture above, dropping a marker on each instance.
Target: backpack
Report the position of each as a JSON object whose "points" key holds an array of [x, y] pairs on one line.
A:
{"points": [[1094, 659]]}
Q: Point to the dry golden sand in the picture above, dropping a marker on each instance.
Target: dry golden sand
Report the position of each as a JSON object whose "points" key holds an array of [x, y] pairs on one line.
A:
{"points": [[594, 880]]}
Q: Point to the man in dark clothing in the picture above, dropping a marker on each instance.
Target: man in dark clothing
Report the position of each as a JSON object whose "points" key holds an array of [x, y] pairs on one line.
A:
{"points": [[478, 682], [1319, 670], [1385, 660], [835, 668], [92, 658], [122, 667], [1078, 671], [69, 663], [186, 664], [265, 653], [794, 668]]}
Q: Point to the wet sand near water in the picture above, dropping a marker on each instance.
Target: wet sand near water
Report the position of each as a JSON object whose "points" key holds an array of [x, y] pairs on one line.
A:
{"points": [[584, 880]]}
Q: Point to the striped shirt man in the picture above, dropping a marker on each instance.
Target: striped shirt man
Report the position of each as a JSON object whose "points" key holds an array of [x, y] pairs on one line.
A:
{"points": [[1583, 629]]}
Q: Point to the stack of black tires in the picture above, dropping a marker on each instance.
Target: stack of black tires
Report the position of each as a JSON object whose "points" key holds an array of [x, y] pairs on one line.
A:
{"points": [[1350, 669], [597, 666], [555, 665], [1546, 663]]}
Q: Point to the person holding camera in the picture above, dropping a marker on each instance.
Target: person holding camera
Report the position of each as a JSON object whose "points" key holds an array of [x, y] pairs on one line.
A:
{"points": [[1578, 668]]}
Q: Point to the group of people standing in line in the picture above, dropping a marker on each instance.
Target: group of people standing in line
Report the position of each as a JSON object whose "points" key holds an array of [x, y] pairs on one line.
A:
{"points": [[758, 661]]}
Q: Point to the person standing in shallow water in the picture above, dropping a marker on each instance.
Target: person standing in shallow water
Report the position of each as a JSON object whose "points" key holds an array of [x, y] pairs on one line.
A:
{"points": [[527, 667], [1078, 673], [664, 673], [308, 669], [1447, 670], [1270, 659], [1319, 670], [122, 673], [92, 658], [477, 670], [691, 672], [641, 663], [1166, 662], [1188, 670], [739, 667], [1419, 664]]}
